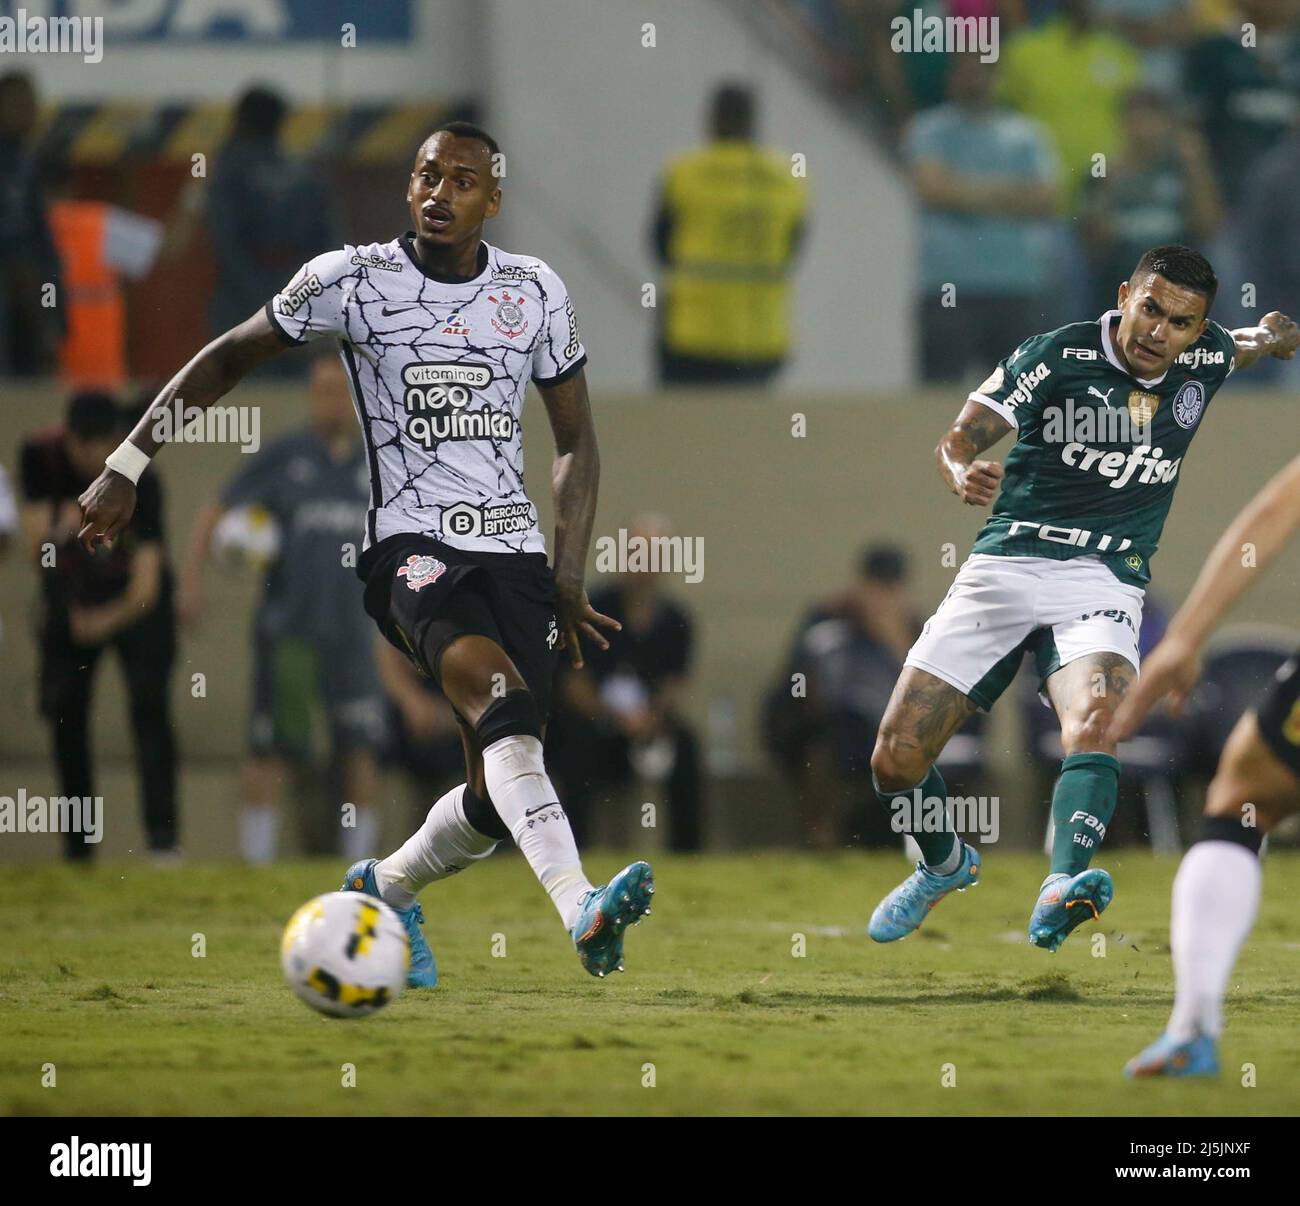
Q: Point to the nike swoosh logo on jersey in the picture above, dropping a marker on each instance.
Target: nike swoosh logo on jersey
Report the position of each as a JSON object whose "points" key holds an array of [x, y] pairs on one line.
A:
{"points": [[529, 812], [388, 311]]}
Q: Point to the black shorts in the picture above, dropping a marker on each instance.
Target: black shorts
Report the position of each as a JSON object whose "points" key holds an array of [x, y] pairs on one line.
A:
{"points": [[1279, 714], [423, 594]]}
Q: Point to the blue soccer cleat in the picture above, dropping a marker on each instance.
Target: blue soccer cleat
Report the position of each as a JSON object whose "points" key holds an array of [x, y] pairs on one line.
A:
{"points": [[1066, 901], [606, 912], [1169, 1057], [909, 904], [423, 973]]}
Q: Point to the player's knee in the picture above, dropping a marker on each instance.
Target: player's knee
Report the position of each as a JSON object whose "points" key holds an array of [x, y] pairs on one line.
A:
{"points": [[896, 764], [515, 714], [1087, 734], [475, 682]]}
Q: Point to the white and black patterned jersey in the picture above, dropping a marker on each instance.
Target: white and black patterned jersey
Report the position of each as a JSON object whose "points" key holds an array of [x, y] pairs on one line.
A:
{"points": [[438, 370]]}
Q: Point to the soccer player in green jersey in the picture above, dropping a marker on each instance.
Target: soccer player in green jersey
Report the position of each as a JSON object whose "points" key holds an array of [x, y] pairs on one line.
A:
{"points": [[1103, 414]]}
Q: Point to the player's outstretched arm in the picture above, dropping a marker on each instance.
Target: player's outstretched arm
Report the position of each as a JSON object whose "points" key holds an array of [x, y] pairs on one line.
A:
{"points": [[575, 482], [1276, 335], [109, 501], [977, 427], [1264, 526]]}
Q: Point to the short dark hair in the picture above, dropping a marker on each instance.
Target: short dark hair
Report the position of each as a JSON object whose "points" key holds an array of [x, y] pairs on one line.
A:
{"points": [[883, 563], [1180, 265], [92, 415], [733, 111], [259, 113], [467, 129]]}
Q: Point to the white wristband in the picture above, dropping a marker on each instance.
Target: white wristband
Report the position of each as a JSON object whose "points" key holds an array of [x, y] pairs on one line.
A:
{"points": [[127, 460]]}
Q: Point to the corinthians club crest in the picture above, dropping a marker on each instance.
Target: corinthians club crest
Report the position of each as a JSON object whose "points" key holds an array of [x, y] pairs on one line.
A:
{"points": [[509, 319], [1142, 407], [420, 570]]}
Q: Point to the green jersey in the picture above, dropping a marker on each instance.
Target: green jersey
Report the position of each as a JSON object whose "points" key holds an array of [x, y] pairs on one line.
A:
{"points": [[1097, 451]]}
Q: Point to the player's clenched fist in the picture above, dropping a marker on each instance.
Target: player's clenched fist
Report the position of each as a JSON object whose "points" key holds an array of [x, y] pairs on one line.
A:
{"points": [[106, 506], [979, 483], [1285, 333]]}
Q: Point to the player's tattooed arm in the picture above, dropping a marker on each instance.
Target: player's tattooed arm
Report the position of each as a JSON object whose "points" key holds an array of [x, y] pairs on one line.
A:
{"points": [[1276, 335], [109, 501], [977, 427], [575, 482]]}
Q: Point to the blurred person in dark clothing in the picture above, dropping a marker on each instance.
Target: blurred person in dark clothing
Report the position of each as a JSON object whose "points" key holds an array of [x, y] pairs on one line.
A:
{"points": [[728, 227], [119, 596], [1247, 95], [621, 716], [311, 637], [29, 331], [1271, 237], [267, 211], [821, 716], [988, 185], [1159, 189]]}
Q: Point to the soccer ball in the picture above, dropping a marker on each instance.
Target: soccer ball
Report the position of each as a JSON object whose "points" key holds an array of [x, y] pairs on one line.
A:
{"points": [[247, 535], [345, 954]]}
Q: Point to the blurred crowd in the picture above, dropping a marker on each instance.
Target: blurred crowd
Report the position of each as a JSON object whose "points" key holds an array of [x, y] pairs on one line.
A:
{"points": [[1099, 129]]}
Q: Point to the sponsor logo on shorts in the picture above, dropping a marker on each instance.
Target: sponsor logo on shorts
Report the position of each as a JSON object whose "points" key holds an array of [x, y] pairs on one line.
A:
{"points": [[1112, 613], [552, 633], [467, 520], [420, 570], [1188, 403], [295, 297]]}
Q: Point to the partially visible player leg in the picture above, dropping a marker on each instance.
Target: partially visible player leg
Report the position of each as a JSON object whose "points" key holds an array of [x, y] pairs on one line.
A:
{"points": [[461, 828], [481, 681], [1085, 693], [1216, 892], [923, 713]]}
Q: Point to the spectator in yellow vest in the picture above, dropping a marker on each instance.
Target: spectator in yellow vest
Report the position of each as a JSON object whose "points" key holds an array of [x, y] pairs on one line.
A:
{"points": [[728, 227]]}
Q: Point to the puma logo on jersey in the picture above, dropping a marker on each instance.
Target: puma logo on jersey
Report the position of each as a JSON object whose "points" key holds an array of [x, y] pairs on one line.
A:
{"points": [[1092, 389]]}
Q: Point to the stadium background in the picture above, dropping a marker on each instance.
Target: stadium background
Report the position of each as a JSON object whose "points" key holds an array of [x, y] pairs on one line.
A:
{"points": [[587, 125]]}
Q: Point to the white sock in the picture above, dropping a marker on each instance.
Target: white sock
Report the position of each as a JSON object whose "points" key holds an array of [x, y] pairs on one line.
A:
{"points": [[259, 833], [525, 800], [444, 844], [1216, 894], [360, 839]]}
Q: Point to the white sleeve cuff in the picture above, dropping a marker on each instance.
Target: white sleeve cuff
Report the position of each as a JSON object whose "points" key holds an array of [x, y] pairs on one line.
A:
{"points": [[997, 407]]}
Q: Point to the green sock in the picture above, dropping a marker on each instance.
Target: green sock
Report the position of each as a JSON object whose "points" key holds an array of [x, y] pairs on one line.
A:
{"points": [[1082, 806], [929, 825]]}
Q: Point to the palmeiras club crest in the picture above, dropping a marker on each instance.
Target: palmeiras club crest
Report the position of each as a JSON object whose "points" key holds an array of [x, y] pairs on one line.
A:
{"points": [[509, 318], [420, 570]]}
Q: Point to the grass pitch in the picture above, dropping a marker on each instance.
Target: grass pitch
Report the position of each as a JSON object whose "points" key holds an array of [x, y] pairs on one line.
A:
{"points": [[718, 1012]]}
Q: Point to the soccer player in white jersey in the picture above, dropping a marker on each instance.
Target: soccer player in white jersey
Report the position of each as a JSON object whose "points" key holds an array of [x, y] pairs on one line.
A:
{"points": [[1257, 784], [440, 332]]}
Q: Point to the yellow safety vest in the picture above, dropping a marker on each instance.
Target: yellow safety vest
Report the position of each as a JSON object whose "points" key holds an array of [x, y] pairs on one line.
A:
{"points": [[733, 208]]}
